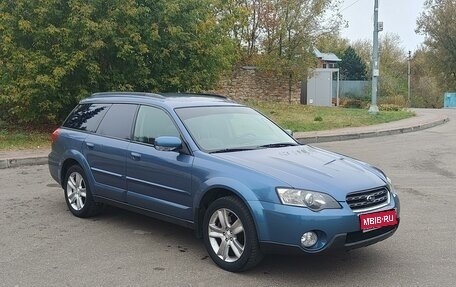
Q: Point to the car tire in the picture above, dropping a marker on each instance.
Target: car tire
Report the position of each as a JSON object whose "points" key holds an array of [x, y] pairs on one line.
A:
{"points": [[230, 235], [78, 195]]}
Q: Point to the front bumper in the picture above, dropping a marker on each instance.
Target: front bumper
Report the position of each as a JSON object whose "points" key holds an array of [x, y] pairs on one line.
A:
{"points": [[281, 227], [339, 242]]}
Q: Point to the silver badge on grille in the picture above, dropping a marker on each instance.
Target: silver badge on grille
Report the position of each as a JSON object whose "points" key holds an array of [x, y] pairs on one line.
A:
{"points": [[370, 198]]}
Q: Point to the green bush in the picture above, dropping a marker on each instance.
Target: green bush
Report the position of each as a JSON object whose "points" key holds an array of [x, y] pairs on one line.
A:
{"points": [[54, 53], [397, 100], [390, 107], [353, 103]]}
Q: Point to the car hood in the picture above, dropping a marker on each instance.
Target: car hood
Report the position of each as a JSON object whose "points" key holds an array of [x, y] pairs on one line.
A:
{"points": [[310, 168]]}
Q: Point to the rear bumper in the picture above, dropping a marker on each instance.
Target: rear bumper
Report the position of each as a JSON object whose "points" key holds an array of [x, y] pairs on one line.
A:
{"points": [[54, 169]]}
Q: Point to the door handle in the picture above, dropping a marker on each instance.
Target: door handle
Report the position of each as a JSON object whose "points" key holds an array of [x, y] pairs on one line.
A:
{"points": [[90, 145], [135, 156]]}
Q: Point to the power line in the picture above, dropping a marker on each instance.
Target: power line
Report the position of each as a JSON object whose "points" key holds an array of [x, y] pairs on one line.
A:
{"points": [[345, 8]]}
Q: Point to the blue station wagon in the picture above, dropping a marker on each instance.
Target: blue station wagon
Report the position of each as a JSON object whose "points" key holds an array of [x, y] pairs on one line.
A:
{"points": [[245, 185]]}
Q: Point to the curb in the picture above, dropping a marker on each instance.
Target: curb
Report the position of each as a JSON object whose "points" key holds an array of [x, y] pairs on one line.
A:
{"points": [[370, 134], [15, 162]]}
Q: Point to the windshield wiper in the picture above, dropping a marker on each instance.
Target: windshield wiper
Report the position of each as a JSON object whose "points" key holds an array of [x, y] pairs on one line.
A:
{"points": [[253, 148], [278, 145], [231, 150]]}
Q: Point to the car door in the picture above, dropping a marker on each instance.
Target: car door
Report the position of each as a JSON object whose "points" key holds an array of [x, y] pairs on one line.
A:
{"points": [[106, 151], [158, 180]]}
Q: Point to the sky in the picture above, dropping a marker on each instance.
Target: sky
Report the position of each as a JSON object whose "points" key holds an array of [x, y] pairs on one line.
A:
{"points": [[398, 16]]}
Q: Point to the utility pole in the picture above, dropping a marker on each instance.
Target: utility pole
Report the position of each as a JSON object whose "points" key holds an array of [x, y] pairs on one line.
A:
{"points": [[409, 103], [373, 109]]}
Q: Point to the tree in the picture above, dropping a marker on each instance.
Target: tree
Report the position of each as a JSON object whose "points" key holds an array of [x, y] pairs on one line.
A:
{"points": [[332, 43], [437, 23], [393, 64], [53, 52], [426, 90], [363, 49], [352, 66], [393, 67], [284, 32]]}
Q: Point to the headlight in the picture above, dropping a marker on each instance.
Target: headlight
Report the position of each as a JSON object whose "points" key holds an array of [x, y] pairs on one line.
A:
{"points": [[390, 184], [312, 200]]}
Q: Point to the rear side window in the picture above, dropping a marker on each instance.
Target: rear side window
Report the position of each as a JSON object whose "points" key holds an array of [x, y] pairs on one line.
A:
{"points": [[118, 121], [86, 117]]}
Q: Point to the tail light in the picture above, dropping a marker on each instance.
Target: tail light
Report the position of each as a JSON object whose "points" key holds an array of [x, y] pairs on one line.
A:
{"points": [[55, 135]]}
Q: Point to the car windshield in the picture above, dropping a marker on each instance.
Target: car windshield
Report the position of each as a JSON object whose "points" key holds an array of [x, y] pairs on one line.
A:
{"points": [[232, 128]]}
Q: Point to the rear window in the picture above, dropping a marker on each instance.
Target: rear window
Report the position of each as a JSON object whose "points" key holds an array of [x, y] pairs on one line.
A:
{"points": [[86, 117], [118, 121]]}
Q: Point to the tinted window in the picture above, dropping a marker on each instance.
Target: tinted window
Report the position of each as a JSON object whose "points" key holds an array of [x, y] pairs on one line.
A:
{"points": [[153, 123], [118, 121], [86, 117]]}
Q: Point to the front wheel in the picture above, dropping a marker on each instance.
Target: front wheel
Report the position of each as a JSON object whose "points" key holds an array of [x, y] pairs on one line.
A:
{"points": [[230, 235]]}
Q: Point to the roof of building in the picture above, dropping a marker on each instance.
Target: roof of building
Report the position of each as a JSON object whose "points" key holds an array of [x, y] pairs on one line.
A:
{"points": [[328, 57]]}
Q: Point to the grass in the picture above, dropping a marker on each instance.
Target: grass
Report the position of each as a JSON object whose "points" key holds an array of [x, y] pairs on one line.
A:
{"points": [[16, 139], [301, 118], [298, 118]]}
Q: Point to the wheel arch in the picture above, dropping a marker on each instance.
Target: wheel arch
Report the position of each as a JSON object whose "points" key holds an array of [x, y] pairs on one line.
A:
{"points": [[74, 158], [209, 196], [69, 162]]}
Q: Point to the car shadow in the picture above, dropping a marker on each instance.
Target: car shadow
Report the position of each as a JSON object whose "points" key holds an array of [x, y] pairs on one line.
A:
{"points": [[325, 267], [321, 266], [140, 223]]}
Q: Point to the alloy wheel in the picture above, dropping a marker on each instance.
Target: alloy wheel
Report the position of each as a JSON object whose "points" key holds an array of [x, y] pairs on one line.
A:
{"points": [[226, 235], [76, 191]]}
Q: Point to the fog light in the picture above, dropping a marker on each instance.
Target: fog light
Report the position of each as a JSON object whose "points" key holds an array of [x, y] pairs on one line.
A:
{"points": [[309, 239]]}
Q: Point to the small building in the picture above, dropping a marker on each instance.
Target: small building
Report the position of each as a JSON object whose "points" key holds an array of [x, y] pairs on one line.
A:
{"points": [[318, 89], [326, 60]]}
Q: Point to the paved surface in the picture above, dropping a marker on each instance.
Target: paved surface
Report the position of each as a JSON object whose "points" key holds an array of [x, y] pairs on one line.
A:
{"points": [[425, 118], [42, 244]]}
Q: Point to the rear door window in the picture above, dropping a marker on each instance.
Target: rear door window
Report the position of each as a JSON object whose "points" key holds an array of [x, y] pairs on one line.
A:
{"points": [[118, 121], [86, 117]]}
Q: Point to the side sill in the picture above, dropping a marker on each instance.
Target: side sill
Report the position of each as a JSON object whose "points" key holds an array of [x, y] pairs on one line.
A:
{"points": [[147, 212]]}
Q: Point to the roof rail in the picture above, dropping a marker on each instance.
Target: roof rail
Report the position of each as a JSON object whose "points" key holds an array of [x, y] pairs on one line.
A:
{"points": [[116, 94], [179, 94]]}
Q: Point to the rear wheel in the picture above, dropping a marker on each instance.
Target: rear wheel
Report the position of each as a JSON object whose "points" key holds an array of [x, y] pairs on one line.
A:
{"points": [[78, 195], [230, 235]]}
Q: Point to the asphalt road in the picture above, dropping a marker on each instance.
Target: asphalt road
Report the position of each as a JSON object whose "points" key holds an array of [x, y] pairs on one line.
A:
{"points": [[42, 244]]}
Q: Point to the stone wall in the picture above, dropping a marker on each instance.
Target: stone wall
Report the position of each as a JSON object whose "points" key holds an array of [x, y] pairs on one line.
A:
{"points": [[247, 83]]}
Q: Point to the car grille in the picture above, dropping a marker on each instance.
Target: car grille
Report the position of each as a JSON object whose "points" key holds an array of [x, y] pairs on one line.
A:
{"points": [[368, 199]]}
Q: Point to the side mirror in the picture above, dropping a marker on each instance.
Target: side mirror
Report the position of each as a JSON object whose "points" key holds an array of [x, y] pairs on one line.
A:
{"points": [[168, 143], [289, 132]]}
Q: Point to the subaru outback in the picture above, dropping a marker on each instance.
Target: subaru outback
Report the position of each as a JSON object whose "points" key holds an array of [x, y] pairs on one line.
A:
{"points": [[245, 185]]}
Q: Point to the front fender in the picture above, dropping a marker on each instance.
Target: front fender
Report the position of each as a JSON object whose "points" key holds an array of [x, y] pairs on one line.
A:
{"points": [[237, 187], [232, 185]]}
